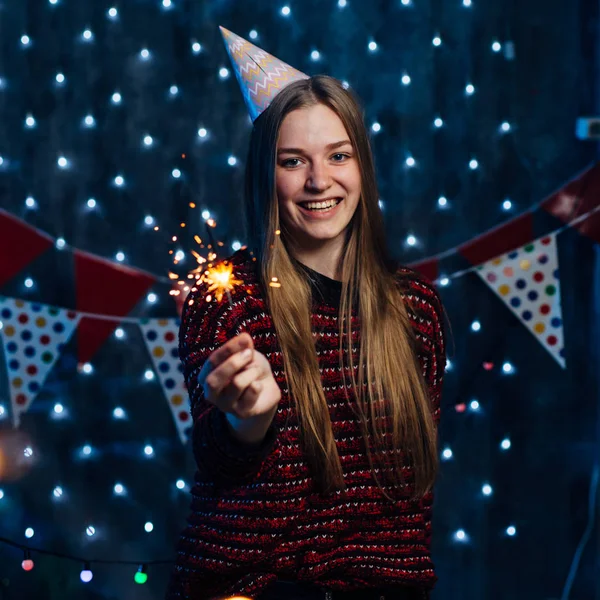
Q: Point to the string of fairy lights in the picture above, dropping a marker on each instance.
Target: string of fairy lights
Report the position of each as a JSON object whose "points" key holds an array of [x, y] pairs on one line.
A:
{"points": [[86, 574]]}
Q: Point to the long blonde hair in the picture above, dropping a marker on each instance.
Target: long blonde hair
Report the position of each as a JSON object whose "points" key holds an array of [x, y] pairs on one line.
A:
{"points": [[388, 367]]}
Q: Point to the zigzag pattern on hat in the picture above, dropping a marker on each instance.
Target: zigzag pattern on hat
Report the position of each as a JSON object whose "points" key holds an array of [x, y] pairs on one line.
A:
{"points": [[261, 75]]}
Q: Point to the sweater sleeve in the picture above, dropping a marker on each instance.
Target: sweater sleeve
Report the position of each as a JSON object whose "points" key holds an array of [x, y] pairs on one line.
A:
{"points": [[221, 458], [433, 317], [427, 313]]}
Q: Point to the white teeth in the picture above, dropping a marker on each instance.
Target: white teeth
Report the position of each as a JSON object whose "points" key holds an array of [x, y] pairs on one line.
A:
{"points": [[321, 205]]}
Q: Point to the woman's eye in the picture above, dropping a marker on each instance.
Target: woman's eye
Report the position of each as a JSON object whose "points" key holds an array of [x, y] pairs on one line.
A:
{"points": [[290, 162], [340, 157]]}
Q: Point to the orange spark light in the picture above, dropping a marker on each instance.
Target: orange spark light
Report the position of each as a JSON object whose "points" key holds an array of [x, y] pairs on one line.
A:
{"points": [[221, 280]]}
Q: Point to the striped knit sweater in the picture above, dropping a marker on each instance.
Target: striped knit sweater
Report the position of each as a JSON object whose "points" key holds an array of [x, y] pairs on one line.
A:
{"points": [[255, 515]]}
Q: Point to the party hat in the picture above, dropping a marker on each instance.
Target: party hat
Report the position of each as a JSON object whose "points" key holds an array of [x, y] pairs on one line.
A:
{"points": [[261, 76]]}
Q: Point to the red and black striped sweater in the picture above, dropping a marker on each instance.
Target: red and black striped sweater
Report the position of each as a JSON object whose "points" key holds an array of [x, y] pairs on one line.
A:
{"points": [[255, 515]]}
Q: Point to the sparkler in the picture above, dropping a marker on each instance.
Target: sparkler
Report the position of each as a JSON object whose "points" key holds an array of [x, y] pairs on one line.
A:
{"points": [[219, 278]]}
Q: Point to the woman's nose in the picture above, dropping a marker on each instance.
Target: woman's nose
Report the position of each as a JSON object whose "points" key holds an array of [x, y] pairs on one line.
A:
{"points": [[318, 179]]}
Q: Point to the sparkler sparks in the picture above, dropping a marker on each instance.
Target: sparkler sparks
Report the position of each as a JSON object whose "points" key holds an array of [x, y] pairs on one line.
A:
{"points": [[221, 280]]}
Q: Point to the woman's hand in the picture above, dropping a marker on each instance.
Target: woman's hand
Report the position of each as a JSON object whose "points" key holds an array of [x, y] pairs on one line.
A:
{"points": [[239, 381]]}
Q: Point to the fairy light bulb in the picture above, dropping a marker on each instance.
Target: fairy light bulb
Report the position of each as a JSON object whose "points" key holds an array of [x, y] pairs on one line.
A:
{"points": [[460, 536], [141, 576], [86, 574], [27, 563], [118, 413]]}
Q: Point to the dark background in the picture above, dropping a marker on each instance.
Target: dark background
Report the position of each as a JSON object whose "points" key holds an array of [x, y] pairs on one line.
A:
{"points": [[543, 77]]}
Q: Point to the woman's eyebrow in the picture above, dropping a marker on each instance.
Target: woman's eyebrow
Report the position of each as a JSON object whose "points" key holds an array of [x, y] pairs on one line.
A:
{"points": [[332, 146]]}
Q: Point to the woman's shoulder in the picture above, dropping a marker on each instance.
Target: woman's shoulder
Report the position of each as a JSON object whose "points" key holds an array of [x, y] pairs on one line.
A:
{"points": [[418, 291]]}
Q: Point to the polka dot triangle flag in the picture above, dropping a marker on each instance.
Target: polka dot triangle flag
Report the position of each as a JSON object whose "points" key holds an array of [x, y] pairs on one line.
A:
{"points": [[33, 336], [527, 280], [162, 340]]}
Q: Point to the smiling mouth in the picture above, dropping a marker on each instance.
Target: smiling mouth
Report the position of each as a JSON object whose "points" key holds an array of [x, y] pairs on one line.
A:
{"points": [[322, 206]]}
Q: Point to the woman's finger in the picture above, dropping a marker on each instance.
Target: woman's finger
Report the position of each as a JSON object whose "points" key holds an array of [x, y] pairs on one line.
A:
{"points": [[236, 388], [220, 377]]}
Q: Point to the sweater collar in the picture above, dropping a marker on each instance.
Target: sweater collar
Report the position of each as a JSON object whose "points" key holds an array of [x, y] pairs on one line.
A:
{"points": [[323, 288]]}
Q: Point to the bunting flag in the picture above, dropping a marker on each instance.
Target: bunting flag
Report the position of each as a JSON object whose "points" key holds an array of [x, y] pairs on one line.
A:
{"points": [[527, 280], [162, 340], [20, 244], [104, 288], [33, 336]]}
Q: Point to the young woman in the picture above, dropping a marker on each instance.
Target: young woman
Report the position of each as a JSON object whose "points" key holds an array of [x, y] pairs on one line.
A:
{"points": [[316, 391]]}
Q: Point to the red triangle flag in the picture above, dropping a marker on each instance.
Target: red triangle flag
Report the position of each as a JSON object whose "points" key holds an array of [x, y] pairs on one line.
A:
{"points": [[20, 244], [516, 232], [579, 197], [104, 288], [428, 267]]}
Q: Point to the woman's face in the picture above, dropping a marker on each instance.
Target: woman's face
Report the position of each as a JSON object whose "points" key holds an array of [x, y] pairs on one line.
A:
{"points": [[316, 163]]}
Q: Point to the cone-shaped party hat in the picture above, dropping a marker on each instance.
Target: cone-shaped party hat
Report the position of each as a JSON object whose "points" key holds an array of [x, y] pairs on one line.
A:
{"points": [[260, 75]]}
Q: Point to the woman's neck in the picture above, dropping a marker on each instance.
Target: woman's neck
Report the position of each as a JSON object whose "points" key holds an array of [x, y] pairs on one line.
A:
{"points": [[325, 260]]}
